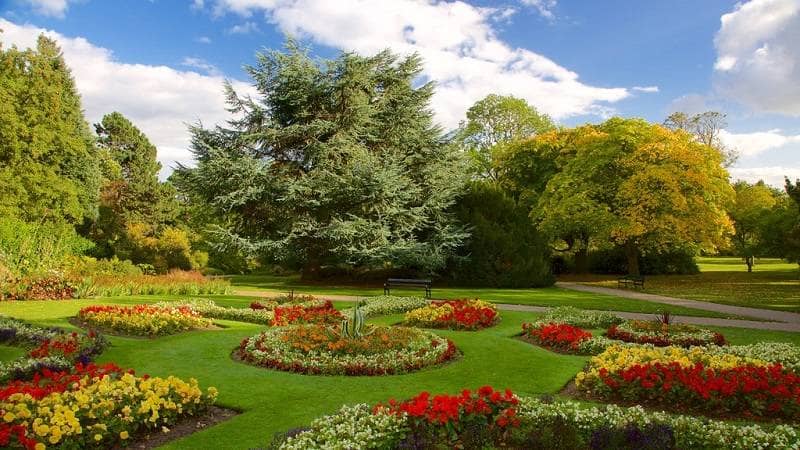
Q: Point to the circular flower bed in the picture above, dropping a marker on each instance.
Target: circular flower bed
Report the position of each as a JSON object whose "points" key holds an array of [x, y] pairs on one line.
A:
{"points": [[143, 320], [320, 350], [558, 337], [454, 315], [663, 334]]}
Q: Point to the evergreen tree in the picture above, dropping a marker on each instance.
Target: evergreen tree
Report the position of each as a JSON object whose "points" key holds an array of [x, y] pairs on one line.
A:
{"points": [[48, 161], [337, 161]]}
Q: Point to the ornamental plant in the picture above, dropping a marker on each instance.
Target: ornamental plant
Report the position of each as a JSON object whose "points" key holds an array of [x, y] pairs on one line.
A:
{"points": [[454, 315], [556, 336], [316, 349], [94, 406], [580, 318], [693, 379], [143, 320], [296, 314], [663, 334]]}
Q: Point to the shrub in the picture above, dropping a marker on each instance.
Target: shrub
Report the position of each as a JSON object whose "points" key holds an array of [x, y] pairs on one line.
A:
{"points": [[674, 261], [580, 318], [176, 282], [504, 248]]}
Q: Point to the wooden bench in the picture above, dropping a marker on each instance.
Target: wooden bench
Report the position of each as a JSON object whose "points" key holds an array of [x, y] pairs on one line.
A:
{"points": [[403, 282], [631, 280]]}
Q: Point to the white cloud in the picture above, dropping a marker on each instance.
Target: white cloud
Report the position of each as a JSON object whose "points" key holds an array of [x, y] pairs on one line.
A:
{"points": [[244, 28], [751, 144], [758, 55], [203, 40], [198, 5], [158, 99], [544, 7], [647, 89], [51, 8], [461, 49], [771, 175]]}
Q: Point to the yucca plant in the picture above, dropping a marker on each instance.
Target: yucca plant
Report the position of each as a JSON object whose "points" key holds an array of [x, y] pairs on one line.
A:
{"points": [[353, 327]]}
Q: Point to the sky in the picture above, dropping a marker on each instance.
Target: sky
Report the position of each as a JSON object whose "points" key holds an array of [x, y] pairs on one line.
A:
{"points": [[162, 63]]}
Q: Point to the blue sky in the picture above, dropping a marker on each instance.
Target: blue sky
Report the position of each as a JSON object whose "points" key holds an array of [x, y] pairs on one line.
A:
{"points": [[162, 62]]}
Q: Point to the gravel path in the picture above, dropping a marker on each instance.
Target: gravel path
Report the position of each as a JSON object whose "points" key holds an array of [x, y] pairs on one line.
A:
{"points": [[778, 324]]}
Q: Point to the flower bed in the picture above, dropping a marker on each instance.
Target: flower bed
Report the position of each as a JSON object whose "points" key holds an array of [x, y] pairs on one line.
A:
{"points": [[49, 348], [143, 320], [320, 350], [390, 304], [556, 336], [454, 315], [318, 311], [694, 380], [580, 318], [177, 282], [297, 314], [93, 407], [662, 335], [490, 419]]}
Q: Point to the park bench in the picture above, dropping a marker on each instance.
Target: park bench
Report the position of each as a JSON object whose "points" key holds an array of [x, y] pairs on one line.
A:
{"points": [[631, 280], [403, 282]]}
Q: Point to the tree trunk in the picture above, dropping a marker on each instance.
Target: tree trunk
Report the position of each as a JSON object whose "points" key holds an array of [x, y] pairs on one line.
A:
{"points": [[582, 259], [632, 254]]}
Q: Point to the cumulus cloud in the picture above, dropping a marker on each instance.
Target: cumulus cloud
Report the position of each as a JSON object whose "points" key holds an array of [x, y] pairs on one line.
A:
{"points": [[158, 99], [461, 49], [773, 175], [647, 89], [51, 8], [751, 144], [758, 55]]}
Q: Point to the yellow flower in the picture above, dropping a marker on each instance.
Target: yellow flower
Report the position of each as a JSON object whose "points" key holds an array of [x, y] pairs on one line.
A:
{"points": [[123, 435], [9, 417], [98, 437], [40, 446]]}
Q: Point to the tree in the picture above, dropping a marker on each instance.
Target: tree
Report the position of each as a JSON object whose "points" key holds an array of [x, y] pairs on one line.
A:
{"points": [[641, 186], [48, 162], [494, 120], [791, 246], [751, 208], [706, 127], [337, 161], [504, 248]]}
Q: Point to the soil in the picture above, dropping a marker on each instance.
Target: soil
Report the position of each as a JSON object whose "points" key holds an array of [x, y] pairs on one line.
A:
{"points": [[185, 427]]}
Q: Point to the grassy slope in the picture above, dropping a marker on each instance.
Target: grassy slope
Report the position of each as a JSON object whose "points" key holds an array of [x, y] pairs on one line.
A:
{"points": [[274, 401], [773, 284], [538, 297]]}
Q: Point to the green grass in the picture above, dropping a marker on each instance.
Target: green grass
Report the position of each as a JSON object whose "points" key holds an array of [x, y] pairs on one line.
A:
{"points": [[8, 353], [773, 284], [272, 401], [551, 296]]}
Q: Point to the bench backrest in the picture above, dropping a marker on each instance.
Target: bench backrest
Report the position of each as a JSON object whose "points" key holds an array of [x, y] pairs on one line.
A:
{"points": [[407, 281]]}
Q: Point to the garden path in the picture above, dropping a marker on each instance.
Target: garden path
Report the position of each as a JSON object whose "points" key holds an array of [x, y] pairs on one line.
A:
{"points": [[758, 313], [777, 325]]}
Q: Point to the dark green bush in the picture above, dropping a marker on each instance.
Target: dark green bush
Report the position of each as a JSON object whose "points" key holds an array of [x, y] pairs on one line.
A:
{"points": [[504, 249], [675, 261]]}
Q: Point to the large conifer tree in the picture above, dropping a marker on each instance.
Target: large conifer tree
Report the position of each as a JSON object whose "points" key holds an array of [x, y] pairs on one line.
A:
{"points": [[336, 161]]}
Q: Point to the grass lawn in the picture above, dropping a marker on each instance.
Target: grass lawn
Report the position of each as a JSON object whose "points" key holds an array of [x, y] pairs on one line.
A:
{"points": [[551, 296], [272, 401], [773, 284]]}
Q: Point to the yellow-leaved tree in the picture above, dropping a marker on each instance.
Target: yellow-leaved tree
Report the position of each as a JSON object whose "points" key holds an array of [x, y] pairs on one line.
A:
{"points": [[639, 185]]}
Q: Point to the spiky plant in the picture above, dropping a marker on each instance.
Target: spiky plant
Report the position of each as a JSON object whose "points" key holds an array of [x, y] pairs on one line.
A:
{"points": [[353, 327]]}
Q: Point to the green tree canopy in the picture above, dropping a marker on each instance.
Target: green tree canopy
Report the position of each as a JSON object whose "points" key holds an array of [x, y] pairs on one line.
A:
{"points": [[750, 212], [48, 161], [494, 120], [336, 161], [639, 185]]}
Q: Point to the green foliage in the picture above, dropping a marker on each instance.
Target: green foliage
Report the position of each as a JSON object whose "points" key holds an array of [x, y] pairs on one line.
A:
{"points": [[37, 249], [48, 161], [505, 249], [791, 222], [494, 120], [353, 327], [638, 185], [338, 161], [675, 260], [751, 212]]}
